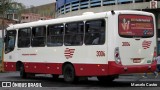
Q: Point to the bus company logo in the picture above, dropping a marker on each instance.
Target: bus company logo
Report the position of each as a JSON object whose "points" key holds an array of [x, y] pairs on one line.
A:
{"points": [[6, 84], [69, 53], [146, 44], [20, 84]]}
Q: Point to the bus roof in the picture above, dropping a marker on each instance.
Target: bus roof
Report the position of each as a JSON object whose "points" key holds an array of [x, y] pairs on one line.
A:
{"points": [[85, 16]]}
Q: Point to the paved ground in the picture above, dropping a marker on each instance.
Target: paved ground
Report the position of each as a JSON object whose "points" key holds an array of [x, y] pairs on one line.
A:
{"points": [[124, 82]]}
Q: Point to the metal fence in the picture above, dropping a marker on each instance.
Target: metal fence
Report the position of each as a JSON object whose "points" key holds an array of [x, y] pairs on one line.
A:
{"points": [[65, 6]]}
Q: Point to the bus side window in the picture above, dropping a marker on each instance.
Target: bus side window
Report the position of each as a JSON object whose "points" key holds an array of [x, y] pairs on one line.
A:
{"points": [[95, 32], [74, 33], [38, 36], [55, 35], [10, 41], [102, 35], [24, 36]]}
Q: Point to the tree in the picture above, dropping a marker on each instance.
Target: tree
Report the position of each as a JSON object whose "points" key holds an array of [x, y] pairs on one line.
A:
{"points": [[4, 6], [9, 6]]}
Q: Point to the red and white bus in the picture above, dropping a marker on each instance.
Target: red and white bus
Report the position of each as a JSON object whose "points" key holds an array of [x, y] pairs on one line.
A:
{"points": [[103, 44]]}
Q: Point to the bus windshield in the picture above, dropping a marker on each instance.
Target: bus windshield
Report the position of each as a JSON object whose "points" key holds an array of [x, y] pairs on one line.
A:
{"points": [[10, 41], [131, 26]]}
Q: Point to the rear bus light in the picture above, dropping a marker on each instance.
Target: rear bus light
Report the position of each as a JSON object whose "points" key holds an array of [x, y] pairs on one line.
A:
{"points": [[117, 56], [136, 60]]}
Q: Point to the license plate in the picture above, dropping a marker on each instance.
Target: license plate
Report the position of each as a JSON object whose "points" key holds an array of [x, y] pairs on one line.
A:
{"points": [[136, 60]]}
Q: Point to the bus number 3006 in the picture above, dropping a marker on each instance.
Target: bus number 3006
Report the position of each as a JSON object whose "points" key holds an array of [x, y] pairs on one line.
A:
{"points": [[100, 53]]}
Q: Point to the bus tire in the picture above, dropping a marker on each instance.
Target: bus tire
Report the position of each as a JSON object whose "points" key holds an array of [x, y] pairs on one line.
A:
{"points": [[69, 74], [23, 74]]}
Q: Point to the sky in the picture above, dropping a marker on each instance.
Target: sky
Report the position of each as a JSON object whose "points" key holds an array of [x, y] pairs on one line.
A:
{"points": [[29, 3]]}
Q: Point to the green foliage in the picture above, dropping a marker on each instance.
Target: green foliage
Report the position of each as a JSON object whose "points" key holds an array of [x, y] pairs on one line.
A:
{"points": [[4, 6], [9, 6]]}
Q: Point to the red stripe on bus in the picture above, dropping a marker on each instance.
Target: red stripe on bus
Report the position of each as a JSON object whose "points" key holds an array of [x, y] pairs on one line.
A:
{"points": [[82, 69]]}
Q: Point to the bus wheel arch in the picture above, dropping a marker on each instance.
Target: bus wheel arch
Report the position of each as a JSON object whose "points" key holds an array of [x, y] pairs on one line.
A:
{"points": [[69, 73]]}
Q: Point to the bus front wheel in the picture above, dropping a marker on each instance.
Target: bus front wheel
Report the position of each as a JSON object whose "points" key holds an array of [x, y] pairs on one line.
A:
{"points": [[23, 74], [69, 73]]}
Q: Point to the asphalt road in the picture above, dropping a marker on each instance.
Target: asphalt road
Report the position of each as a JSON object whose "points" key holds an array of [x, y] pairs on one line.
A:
{"points": [[124, 82]]}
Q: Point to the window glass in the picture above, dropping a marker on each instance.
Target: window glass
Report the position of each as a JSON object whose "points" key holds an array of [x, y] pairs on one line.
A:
{"points": [[24, 36], [95, 32], [38, 36], [10, 41], [74, 34], [158, 45], [55, 35], [158, 33]]}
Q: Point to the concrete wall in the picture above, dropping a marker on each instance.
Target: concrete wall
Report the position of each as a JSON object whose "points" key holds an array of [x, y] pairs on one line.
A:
{"points": [[47, 10]]}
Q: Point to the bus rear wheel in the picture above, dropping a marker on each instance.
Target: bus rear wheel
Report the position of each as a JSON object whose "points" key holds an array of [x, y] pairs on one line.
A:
{"points": [[23, 74], [69, 74]]}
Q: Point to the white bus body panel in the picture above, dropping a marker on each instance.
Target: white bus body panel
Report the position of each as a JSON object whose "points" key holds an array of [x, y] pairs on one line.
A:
{"points": [[87, 54]]}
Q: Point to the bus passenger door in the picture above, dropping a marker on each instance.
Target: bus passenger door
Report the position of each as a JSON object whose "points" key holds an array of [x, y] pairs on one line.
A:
{"points": [[9, 55]]}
